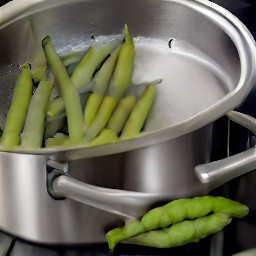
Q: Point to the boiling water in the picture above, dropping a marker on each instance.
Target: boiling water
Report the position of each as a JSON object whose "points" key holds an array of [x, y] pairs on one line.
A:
{"points": [[191, 81]]}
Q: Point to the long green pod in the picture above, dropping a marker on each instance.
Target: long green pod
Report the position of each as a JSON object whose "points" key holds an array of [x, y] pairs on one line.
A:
{"points": [[126, 104], [191, 208], [18, 110], [139, 113], [38, 65], [58, 140], [99, 87], [33, 132], [119, 83], [68, 92], [174, 212], [106, 136], [106, 109], [83, 73], [56, 107], [121, 113], [52, 126], [188, 231], [123, 72]]}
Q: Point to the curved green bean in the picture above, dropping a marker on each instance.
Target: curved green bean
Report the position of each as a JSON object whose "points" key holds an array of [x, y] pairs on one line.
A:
{"points": [[123, 72], [58, 140], [139, 113], [68, 92], [32, 135], [17, 113], [99, 87], [106, 109], [175, 212], [118, 86], [39, 66], [52, 126], [56, 107], [191, 208], [188, 231], [121, 113], [126, 104], [83, 73], [106, 136]]}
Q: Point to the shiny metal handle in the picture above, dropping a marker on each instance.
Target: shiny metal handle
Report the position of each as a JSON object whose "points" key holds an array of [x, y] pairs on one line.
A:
{"points": [[228, 168], [127, 204], [247, 121]]}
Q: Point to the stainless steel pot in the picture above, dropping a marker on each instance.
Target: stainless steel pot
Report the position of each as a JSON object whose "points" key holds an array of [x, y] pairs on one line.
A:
{"points": [[213, 53]]}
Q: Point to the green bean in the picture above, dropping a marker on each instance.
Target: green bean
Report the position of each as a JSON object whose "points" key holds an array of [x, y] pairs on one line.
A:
{"points": [[125, 106], [56, 107], [139, 113], [99, 87], [174, 212], [106, 109], [38, 73], [17, 113], [121, 113], [123, 71], [58, 140], [184, 232], [191, 208], [32, 135], [68, 92], [117, 235], [118, 86], [54, 125], [39, 65], [83, 73], [106, 136], [71, 58]]}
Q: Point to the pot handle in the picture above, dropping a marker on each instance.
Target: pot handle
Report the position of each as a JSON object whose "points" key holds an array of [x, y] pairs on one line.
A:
{"points": [[227, 169], [124, 203]]}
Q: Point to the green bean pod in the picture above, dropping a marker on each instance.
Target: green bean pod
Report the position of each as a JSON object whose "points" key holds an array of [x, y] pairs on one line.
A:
{"points": [[106, 109], [191, 208], [174, 212], [99, 87], [68, 92], [83, 74], [139, 113], [121, 113], [18, 110], [106, 136], [118, 86], [188, 231], [126, 104], [123, 72], [32, 135], [39, 65], [56, 107], [58, 140], [54, 125]]}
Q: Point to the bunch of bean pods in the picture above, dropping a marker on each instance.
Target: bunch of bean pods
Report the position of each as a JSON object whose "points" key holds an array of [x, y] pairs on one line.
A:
{"points": [[84, 99], [179, 222]]}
